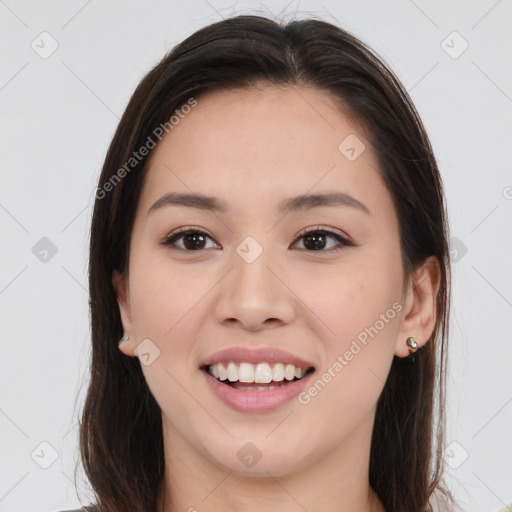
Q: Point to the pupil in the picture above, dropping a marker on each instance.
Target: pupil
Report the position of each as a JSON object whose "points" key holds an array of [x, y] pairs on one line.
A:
{"points": [[196, 236], [316, 239]]}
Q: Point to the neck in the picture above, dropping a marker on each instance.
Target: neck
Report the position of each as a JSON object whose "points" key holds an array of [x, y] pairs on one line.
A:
{"points": [[336, 481]]}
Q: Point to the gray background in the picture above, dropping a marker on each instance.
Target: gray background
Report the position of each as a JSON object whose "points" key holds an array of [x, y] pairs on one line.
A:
{"points": [[58, 114]]}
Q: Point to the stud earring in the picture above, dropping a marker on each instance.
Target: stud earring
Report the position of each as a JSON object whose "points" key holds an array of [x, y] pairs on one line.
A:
{"points": [[123, 338], [413, 346]]}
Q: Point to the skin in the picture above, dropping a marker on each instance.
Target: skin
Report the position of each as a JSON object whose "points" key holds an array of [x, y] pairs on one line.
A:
{"points": [[253, 148]]}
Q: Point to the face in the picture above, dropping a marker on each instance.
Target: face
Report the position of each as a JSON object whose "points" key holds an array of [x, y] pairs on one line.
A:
{"points": [[248, 276]]}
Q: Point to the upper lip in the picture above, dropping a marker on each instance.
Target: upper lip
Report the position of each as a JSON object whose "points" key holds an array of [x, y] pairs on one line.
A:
{"points": [[255, 355]]}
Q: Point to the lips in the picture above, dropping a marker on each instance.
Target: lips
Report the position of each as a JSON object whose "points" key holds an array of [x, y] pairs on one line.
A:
{"points": [[251, 400]]}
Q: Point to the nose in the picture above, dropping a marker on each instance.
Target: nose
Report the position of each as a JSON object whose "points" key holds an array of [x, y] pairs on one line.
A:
{"points": [[255, 296]]}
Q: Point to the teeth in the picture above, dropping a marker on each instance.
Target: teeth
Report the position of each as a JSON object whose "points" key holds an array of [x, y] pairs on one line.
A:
{"points": [[289, 372], [278, 372], [245, 372], [261, 373], [223, 374], [232, 372]]}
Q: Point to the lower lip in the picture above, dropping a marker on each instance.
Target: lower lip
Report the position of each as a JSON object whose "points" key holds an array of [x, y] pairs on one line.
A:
{"points": [[256, 401]]}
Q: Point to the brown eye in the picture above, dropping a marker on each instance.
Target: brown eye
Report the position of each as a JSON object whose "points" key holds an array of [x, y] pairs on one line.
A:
{"points": [[316, 240], [193, 239]]}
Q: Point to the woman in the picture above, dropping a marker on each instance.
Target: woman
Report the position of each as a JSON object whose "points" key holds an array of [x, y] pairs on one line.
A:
{"points": [[269, 244]]}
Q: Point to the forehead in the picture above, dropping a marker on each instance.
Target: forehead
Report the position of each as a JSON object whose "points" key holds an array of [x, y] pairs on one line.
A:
{"points": [[252, 146]]}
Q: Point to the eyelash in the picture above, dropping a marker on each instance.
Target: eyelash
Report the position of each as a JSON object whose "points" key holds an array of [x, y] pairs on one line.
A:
{"points": [[170, 240]]}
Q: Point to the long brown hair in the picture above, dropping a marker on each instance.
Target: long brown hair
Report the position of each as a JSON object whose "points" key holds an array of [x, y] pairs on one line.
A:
{"points": [[121, 441]]}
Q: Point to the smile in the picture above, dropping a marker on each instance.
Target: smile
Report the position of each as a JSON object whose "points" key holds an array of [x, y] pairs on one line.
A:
{"points": [[239, 374], [256, 396]]}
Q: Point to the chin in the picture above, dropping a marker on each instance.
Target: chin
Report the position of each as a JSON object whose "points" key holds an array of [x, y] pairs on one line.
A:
{"points": [[246, 459]]}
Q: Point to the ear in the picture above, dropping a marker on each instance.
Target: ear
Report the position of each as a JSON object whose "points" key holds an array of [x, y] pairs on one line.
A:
{"points": [[419, 309], [121, 288]]}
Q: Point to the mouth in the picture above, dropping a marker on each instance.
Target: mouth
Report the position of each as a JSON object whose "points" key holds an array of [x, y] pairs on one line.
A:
{"points": [[263, 376]]}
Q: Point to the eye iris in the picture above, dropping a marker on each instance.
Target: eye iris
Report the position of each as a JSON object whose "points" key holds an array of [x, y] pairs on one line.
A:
{"points": [[197, 237], [316, 238]]}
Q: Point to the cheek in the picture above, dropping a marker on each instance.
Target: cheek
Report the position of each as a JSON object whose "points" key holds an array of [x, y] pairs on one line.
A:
{"points": [[359, 311], [165, 304], [163, 296], [347, 300], [169, 306]]}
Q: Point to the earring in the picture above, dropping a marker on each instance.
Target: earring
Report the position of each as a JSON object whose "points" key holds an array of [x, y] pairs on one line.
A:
{"points": [[413, 346], [123, 338]]}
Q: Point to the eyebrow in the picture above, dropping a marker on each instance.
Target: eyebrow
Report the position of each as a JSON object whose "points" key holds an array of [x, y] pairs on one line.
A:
{"points": [[297, 203]]}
